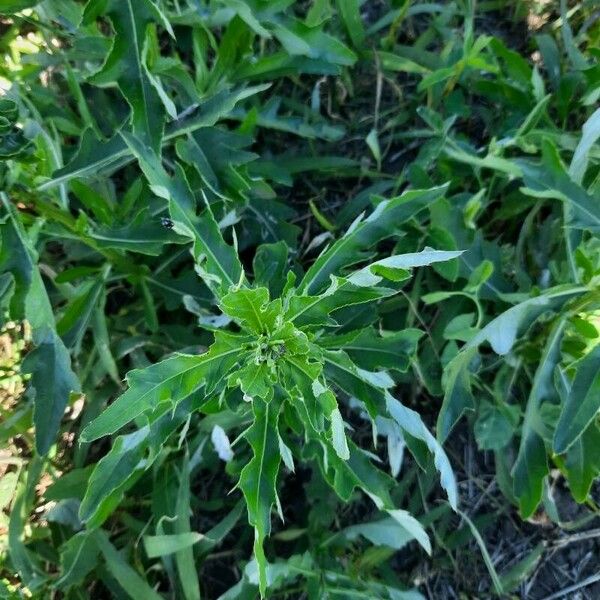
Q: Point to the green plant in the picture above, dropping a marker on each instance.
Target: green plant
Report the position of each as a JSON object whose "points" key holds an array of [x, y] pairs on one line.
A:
{"points": [[226, 203]]}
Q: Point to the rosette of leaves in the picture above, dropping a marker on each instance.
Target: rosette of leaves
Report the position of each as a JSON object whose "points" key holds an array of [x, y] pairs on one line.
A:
{"points": [[282, 361]]}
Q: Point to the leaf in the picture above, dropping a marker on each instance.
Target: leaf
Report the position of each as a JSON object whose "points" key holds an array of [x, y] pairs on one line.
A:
{"points": [[163, 545], [338, 435], [371, 351], [134, 585], [350, 13], [531, 466], [52, 381], [12, 6], [184, 556], [170, 381], [76, 318], [548, 179], [385, 267], [383, 532], [111, 473], [495, 425], [315, 311], [363, 234], [217, 262], [251, 307], [142, 235], [487, 559], [408, 522], [93, 155], [501, 333], [49, 362], [269, 265], [582, 463], [78, 557], [258, 479], [124, 65], [582, 403], [590, 134], [411, 423]]}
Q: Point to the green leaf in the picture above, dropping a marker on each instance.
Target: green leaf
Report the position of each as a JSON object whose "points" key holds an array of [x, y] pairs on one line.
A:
{"points": [[582, 403], [78, 557], [216, 261], [111, 474], [549, 179], [76, 318], [410, 422], [408, 522], [350, 13], [383, 532], [371, 351], [163, 545], [589, 136], [384, 268], [495, 425], [142, 235], [501, 333], [134, 584], [531, 466], [338, 435], [169, 381], [52, 381], [12, 6], [315, 311], [269, 265], [385, 220], [258, 478], [184, 556], [124, 65], [94, 155], [582, 463], [49, 362], [251, 307]]}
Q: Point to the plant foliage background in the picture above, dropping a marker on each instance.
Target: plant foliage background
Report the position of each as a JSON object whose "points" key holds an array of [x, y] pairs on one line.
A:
{"points": [[264, 268]]}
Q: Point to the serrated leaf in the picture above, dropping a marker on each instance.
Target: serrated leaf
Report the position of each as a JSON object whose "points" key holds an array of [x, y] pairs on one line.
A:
{"points": [[95, 155], [362, 235], [170, 381], [217, 262], [258, 479], [124, 64]]}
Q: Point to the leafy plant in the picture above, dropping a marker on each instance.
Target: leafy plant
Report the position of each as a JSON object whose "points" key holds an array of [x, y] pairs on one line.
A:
{"points": [[294, 229]]}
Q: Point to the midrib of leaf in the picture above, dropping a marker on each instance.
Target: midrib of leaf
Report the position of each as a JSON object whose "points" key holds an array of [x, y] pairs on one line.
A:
{"points": [[262, 454], [256, 314]]}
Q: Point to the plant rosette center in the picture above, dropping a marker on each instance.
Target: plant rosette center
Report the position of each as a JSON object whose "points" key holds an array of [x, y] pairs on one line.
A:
{"points": [[270, 341]]}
